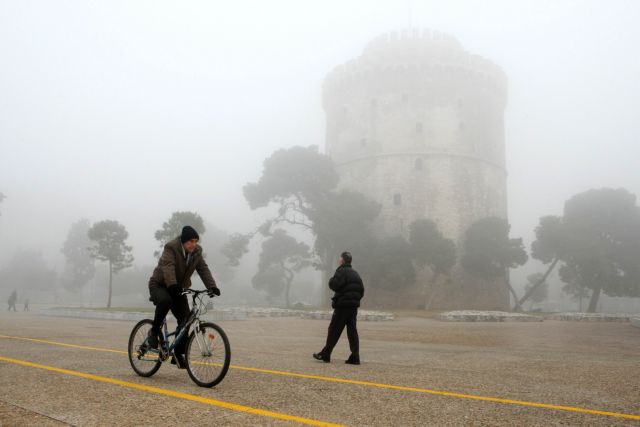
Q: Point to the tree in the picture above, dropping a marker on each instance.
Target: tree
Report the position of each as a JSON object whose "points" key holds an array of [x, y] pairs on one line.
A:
{"points": [[302, 182], [389, 264], [292, 178], [173, 227], [80, 266], [549, 248], [281, 258], [235, 248], [537, 287], [212, 246], [28, 270], [573, 288], [110, 245], [432, 249], [341, 221], [602, 243], [489, 253]]}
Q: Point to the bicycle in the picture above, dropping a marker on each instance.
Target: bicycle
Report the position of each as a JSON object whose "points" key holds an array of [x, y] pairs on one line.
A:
{"points": [[208, 353]]}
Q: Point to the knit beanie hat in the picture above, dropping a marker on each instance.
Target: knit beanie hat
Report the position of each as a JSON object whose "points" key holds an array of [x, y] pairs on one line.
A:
{"points": [[188, 233]]}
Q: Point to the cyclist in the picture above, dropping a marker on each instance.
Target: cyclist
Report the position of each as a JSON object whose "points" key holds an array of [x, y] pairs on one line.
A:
{"points": [[180, 258]]}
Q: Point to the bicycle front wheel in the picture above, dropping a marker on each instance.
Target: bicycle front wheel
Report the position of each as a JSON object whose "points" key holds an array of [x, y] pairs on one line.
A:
{"points": [[208, 355], [144, 361]]}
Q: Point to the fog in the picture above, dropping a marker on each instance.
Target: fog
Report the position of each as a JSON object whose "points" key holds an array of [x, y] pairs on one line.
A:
{"points": [[133, 110]]}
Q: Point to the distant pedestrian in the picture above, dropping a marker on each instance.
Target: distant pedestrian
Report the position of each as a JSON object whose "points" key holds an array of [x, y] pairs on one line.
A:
{"points": [[13, 298], [26, 304], [349, 290]]}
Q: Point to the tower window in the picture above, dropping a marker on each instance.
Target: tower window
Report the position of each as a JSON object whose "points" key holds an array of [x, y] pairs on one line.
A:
{"points": [[405, 98], [374, 103], [419, 127], [461, 126], [363, 142], [418, 164], [397, 199]]}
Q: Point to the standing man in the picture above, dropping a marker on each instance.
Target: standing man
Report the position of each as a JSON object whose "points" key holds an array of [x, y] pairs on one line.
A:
{"points": [[180, 258], [349, 290]]}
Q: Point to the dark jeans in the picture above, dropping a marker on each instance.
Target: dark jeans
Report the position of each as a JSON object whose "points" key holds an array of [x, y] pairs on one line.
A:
{"points": [[165, 301], [343, 317]]}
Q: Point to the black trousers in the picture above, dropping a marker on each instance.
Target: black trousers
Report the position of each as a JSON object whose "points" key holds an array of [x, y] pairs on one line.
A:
{"points": [[165, 301], [343, 317]]}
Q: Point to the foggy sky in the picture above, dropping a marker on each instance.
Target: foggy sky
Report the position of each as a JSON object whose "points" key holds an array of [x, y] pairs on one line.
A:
{"points": [[132, 110]]}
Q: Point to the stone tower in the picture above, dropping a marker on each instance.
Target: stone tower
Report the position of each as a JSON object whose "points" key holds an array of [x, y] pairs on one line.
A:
{"points": [[416, 123]]}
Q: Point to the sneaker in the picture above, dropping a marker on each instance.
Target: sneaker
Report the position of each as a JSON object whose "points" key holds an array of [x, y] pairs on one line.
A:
{"points": [[320, 356], [178, 360], [152, 339]]}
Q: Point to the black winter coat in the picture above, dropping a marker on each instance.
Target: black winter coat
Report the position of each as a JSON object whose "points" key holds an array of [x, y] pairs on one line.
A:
{"points": [[348, 288]]}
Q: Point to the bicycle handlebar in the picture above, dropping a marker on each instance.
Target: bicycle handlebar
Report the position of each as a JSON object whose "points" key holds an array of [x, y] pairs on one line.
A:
{"points": [[196, 292]]}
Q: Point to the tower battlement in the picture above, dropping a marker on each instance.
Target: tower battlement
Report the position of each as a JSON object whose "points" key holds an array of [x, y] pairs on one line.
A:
{"points": [[413, 52]]}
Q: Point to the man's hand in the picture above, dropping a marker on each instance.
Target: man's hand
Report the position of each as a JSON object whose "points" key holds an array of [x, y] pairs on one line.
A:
{"points": [[175, 290], [213, 291]]}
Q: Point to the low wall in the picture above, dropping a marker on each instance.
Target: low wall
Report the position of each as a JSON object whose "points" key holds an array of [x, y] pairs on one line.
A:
{"points": [[486, 316], [592, 317]]}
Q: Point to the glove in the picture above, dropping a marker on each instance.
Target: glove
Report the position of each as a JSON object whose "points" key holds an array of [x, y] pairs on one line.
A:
{"points": [[175, 290], [213, 291]]}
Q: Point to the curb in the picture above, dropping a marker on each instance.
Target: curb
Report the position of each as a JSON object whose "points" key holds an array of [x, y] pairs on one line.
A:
{"points": [[486, 316], [591, 317]]}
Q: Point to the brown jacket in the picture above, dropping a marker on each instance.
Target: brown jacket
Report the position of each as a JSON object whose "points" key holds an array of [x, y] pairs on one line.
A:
{"points": [[173, 269]]}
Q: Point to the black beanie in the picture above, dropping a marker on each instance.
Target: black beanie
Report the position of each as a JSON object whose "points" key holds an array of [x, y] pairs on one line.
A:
{"points": [[188, 233]]}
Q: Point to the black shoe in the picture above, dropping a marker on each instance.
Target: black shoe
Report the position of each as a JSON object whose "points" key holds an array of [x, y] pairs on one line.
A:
{"points": [[320, 356], [152, 339], [178, 360], [352, 360]]}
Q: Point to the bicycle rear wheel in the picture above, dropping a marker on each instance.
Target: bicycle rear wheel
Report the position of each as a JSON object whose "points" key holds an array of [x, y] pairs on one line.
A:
{"points": [[208, 355], [144, 361]]}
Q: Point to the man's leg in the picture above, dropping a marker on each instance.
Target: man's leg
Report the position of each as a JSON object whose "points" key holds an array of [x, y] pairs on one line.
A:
{"points": [[180, 310], [338, 322], [352, 334], [161, 298]]}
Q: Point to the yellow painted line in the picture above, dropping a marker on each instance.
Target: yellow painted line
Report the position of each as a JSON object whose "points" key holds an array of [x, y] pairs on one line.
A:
{"points": [[380, 385], [171, 393], [62, 344]]}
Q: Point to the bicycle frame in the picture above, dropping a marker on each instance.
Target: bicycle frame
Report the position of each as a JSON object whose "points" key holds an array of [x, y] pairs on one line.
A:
{"points": [[194, 317]]}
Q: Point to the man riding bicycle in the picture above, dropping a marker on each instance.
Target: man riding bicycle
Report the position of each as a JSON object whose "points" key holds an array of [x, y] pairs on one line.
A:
{"points": [[180, 258]]}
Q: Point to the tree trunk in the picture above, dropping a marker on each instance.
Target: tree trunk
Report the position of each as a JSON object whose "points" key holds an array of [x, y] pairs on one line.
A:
{"points": [[327, 273], [537, 285], [110, 284], [290, 276], [513, 293], [432, 284], [594, 300]]}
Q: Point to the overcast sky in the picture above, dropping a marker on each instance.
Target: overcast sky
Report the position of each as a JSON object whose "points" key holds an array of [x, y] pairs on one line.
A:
{"points": [[130, 110]]}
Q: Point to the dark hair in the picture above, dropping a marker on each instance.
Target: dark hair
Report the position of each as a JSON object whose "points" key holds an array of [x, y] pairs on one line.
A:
{"points": [[346, 256]]}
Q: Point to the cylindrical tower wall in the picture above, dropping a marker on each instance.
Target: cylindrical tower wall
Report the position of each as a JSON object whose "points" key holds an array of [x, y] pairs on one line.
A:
{"points": [[416, 123]]}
